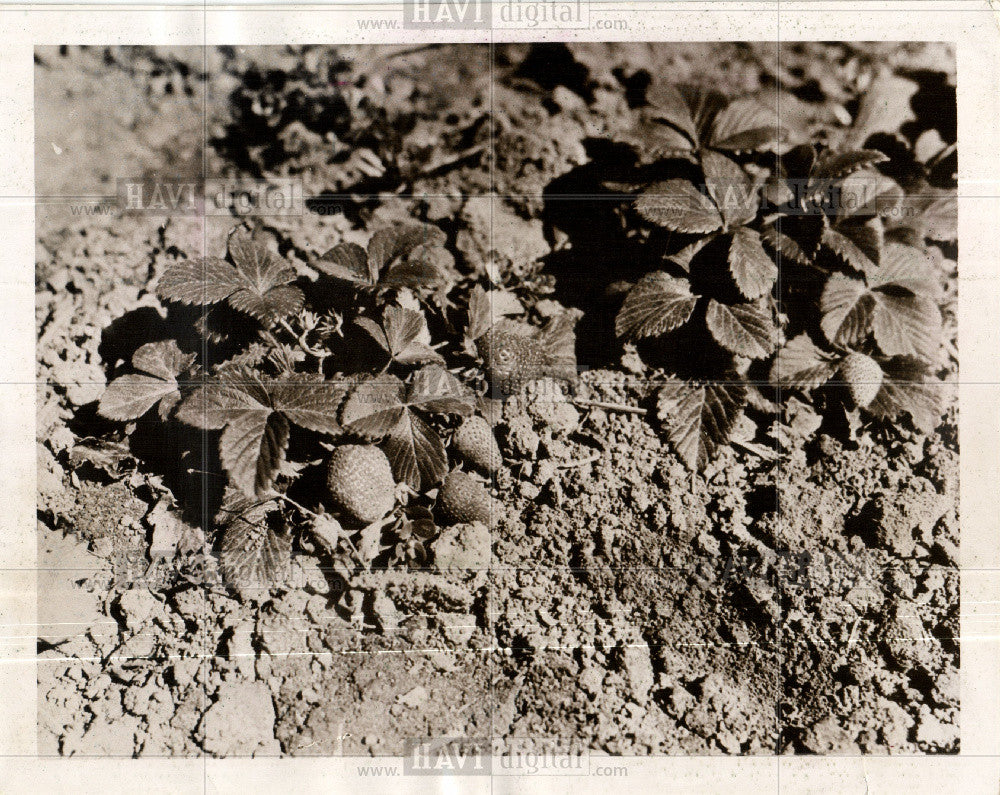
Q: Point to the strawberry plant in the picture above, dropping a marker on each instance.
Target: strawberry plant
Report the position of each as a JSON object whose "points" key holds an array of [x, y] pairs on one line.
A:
{"points": [[803, 268], [353, 378]]}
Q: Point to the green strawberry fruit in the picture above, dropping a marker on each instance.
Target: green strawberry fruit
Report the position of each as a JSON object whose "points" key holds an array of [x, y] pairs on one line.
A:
{"points": [[463, 499], [361, 482], [863, 377], [475, 443]]}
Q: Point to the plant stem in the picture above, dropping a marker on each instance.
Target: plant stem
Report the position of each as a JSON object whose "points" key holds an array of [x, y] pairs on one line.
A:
{"points": [[622, 407]]}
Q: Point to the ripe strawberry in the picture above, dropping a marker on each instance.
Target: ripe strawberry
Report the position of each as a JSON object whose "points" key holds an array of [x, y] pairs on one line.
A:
{"points": [[463, 499], [475, 443], [863, 377], [361, 482]]}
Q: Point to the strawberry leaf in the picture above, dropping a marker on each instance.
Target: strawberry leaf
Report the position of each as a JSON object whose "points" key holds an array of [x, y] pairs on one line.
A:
{"points": [[255, 284], [801, 365], [162, 359], [699, 418], [657, 304], [396, 243], [743, 329], [847, 308], [907, 325], [796, 237], [213, 405], [654, 139], [423, 266], [686, 255], [884, 107], [730, 188], [383, 408], [677, 205], [752, 269], [348, 262], [907, 387], [906, 268], [254, 416], [859, 246], [437, 391], [199, 282], [263, 292], [746, 125], [837, 165], [254, 558], [403, 328], [668, 106], [415, 452], [310, 403], [130, 396], [373, 407], [480, 313], [270, 305], [252, 449]]}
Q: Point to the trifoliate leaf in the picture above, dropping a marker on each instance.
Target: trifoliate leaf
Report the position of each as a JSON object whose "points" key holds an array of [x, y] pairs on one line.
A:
{"points": [[402, 330], [801, 365], [264, 293], [907, 387], [384, 408], [254, 415], [657, 304], [752, 269], [743, 329], [898, 304], [698, 418], [730, 188], [847, 308], [255, 284], [677, 205], [130, 396]]}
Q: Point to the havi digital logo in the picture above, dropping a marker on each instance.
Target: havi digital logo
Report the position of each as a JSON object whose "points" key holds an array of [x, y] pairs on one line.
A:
{"points": [[447, 756], [430, 14]]}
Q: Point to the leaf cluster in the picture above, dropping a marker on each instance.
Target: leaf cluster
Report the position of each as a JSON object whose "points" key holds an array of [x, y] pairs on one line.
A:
{"points": [[311, 373], [779, 261]]}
